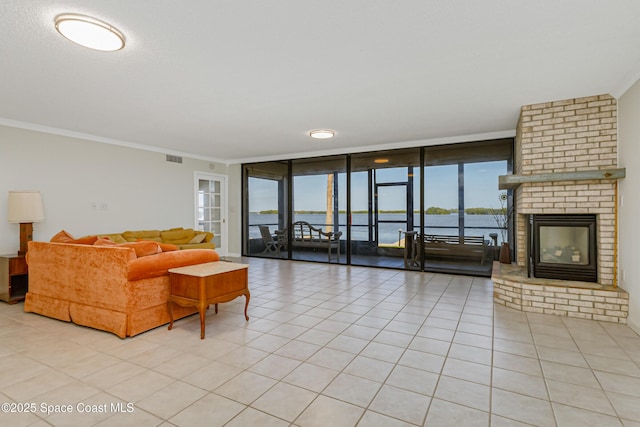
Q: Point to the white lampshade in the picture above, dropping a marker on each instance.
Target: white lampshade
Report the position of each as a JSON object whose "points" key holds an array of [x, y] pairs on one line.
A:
{"points": [[25, 206]]}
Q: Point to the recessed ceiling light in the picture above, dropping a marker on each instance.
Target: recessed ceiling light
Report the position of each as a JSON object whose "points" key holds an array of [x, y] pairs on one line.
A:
{"points": [[89, 32], [322, 133], [381, 161]]}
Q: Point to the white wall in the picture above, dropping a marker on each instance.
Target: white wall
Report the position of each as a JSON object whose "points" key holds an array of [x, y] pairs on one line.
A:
{"points": [[629, 214], [234, 199], [140, 188]]}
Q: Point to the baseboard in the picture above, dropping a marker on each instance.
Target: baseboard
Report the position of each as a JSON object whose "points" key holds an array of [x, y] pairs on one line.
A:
{"points": [[633, 326], [230, 255]]}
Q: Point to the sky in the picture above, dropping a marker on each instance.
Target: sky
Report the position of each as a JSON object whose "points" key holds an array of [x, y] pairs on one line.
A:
{"points": [[441, 182]]}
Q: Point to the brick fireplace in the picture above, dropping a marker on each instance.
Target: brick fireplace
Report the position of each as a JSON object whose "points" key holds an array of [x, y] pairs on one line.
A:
{"points": [[566, 163], [575, 135]]}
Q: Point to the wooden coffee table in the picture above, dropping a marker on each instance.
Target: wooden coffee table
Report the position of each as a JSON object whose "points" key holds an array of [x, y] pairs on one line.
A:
{"points": [[211, 283]]}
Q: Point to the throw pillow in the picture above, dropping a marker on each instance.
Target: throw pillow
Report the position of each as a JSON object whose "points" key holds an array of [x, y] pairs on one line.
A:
{"points": [[199, 238], [113, 237], [87, 240], [143, 248], [62, 237], [104, 241], [166, 247]]}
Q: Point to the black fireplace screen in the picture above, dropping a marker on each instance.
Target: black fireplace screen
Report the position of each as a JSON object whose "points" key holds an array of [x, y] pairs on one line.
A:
{"points": [[563, 247]]}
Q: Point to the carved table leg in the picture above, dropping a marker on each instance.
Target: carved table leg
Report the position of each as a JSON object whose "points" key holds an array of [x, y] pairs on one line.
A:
{"points": [[247, 296], [170, 307]]}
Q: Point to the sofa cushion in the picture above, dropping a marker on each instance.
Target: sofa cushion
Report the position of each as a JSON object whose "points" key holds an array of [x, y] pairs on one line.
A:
{"points": [[65, 237], [62, 236], [203, 245], [177, 237], [155, 266], [166, 247], [117, 238], [86, 240], [152, 235], [198, 238], [105, 241], [141, 248], [144, 248]]}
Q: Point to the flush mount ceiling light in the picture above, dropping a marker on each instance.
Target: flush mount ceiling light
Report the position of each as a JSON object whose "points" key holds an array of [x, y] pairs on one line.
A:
{"points": [[322, 133], [380, 161], [89, 32]]}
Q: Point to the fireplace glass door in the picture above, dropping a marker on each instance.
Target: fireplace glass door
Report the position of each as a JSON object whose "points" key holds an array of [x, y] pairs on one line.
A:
{"points": [[564, 247]]}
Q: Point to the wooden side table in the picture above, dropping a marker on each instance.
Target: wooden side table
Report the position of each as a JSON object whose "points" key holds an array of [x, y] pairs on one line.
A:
{"points": [[210, 283], [14, 278]]}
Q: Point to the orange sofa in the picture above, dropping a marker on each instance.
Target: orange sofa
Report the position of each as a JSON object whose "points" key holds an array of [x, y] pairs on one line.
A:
{"points": [[105, 287]]}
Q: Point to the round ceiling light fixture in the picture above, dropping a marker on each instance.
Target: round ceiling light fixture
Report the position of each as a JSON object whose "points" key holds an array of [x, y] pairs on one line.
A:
{"points": [[89, 32], [322, 133]]}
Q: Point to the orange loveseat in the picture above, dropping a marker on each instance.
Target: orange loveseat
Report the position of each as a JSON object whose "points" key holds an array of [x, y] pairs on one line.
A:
{"points": [[105, 287]]}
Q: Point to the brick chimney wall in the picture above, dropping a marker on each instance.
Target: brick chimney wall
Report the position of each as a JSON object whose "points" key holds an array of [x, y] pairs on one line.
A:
{"points": [[567, 136]]}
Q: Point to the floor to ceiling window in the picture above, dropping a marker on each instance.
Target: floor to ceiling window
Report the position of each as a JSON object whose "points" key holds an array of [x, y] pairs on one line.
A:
{"points": [[483, 201], [318, 229], [431, 208], [461, 197], [265, 212]]}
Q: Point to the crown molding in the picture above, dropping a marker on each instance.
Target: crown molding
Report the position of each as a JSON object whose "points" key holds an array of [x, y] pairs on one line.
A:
{"points": [[103, 140]]}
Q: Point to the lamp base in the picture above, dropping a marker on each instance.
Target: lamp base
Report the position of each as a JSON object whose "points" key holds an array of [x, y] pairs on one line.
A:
{"points": [[26, 235]]}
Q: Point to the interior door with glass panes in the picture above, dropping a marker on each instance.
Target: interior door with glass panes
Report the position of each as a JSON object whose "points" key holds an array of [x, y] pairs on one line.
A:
{"points": [[211, 208]]}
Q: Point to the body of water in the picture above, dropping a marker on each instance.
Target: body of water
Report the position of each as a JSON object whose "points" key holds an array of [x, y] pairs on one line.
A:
{"points": [[388, 232]]}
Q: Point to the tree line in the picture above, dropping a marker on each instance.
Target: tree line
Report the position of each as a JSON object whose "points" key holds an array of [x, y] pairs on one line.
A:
{"points": [[433, 210]]}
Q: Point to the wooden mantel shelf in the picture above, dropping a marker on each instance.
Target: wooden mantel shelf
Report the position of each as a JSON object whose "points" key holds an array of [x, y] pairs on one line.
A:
{"points": [[509, 182]]}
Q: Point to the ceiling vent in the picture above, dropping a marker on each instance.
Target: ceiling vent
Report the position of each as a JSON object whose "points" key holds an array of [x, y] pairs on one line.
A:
{"points": [[174, 159]]}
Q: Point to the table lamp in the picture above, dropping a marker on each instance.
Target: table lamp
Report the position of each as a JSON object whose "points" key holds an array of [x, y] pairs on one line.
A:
{"points": [[25, 207]]}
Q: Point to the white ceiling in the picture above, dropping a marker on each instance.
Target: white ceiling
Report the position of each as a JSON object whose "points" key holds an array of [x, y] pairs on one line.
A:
{"points": [[245, 80]]}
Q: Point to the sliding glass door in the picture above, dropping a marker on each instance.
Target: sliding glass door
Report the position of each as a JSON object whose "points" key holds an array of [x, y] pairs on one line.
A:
{"points": [[265, 214], [425, 209], [384, 202], [461, 191], [318, 226], [391, 213]]}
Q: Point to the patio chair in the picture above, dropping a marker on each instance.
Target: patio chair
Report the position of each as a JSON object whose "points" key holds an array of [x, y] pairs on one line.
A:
{"points": [[272, 244]]}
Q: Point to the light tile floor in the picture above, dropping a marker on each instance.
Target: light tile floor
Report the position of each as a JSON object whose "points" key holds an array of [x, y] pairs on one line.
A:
{"points": [[328, 345]]}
